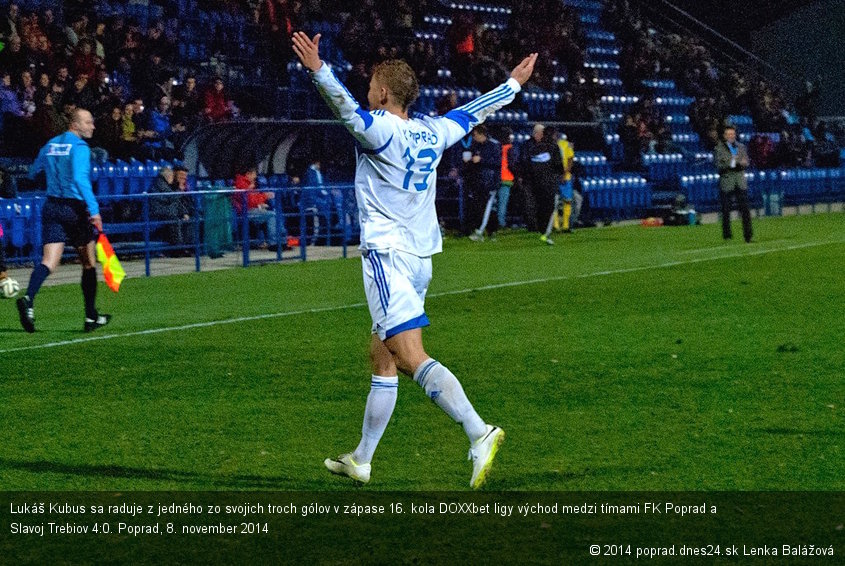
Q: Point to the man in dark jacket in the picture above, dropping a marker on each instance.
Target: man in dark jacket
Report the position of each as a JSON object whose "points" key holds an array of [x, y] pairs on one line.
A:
{"points": [[540, 169], [482, 176], [175, 208]]}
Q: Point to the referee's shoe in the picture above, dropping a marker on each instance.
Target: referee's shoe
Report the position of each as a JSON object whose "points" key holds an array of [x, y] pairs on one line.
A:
{"points": [[92, 324], [27, 313]]}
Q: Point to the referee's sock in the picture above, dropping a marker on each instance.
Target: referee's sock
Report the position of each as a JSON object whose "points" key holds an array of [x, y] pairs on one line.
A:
{"points": [[445, 390], [39, 275], [89, 291]]}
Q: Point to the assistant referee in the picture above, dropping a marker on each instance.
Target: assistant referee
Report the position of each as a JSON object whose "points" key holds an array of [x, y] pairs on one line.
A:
{"points": [[70, 216]]}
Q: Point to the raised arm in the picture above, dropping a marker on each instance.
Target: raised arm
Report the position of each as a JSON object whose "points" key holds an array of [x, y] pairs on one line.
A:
{"points": [[458, 122], [360, 123]]}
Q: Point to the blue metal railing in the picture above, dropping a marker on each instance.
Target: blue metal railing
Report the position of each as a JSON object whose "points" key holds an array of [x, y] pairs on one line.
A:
{"points": [[790, 187], [304, 216]]}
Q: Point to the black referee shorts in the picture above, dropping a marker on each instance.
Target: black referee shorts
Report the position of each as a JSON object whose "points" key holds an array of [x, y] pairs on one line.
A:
{"points": [[66, 220]]}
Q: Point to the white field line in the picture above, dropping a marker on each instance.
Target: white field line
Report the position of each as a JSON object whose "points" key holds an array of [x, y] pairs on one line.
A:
{"points": [[663, 265], [711, 248]]}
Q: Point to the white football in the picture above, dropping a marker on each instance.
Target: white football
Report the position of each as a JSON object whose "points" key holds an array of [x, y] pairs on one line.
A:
{"points": [[9, 287]]}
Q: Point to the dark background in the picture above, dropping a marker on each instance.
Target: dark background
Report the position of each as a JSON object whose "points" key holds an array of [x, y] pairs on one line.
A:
{"points": [[801, 37]]}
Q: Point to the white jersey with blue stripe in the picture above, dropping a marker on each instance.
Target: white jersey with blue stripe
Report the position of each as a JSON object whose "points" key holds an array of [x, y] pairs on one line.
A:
{"points": [[396, 177]]}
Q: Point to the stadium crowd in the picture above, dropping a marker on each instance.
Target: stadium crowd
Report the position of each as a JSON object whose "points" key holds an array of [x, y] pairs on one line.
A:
{"points": [[145, 103], [105, 61], [126, 76], [147, 98], [800, 140]]}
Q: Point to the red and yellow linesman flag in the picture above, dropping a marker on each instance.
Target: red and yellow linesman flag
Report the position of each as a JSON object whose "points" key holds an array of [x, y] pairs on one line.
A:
{"points": [[112, 270]]}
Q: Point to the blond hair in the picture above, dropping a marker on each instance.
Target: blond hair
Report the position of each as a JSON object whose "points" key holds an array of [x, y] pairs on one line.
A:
{"points": [[399, 79]]}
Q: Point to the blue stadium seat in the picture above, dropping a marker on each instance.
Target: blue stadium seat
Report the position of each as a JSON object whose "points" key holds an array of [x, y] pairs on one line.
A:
{"points": [[21, 219], [105, 179], [120, 180], [617, 196], [137, 173]]}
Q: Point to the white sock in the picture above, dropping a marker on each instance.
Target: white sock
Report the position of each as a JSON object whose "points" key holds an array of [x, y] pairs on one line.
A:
{"points": [[380, 404], [444, 389], [550, 226]]}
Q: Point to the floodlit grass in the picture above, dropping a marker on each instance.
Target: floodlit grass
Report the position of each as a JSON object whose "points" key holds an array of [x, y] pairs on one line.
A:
{"points": [[619, 359]]}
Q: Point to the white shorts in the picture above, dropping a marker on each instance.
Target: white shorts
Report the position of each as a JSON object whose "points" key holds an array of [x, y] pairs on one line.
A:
{"points": [[395, 283]]}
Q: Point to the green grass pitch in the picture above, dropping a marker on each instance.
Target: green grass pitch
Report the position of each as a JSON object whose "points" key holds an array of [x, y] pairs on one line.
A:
{"points": [[619, 359]]}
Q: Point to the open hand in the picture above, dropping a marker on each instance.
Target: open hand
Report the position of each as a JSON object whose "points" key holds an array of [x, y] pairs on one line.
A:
{"points": [[307, 50], [522, 72]]}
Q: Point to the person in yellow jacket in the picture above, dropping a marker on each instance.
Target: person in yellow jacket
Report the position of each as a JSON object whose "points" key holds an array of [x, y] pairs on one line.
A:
{"points": [[563, 200], [567, 195]]}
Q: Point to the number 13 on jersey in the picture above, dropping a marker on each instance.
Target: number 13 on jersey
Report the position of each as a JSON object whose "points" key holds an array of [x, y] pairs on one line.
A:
{"points": [[425, 158]]}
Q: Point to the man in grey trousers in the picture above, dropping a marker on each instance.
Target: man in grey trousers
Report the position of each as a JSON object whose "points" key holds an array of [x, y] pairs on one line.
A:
{"points": [[732, 160]]}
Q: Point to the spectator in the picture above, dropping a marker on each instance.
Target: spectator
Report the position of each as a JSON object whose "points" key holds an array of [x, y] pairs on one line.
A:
{"points": [[129, 131], [121, 77], [113, 40], [216, 105], [53, 33], [81, 94], [257, 206], [26, 94], [159, 143], [186, 102], [34, 60], [278, 20], [47, 122], [447, 102], [104, 98], [99, 41], [141, 119], [761, 151], [172, 206], [109, 133], [182, 181], [9, 102], [154, 73], [58, 92], [83, 59], [357, 81], [75, 31], [317, 200], [62, 78], [461, 38], [9, 22], [156, 42], [629, 136], [13, 58], [43, 85], [68, 108], [28, 25]]}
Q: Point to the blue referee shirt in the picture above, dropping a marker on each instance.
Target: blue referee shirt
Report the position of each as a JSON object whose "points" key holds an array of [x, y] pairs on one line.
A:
{"points": [[66, 161]]}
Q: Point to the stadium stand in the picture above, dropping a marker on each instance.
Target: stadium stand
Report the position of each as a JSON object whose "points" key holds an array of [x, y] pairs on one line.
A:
{"points": [[639, 133]]}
